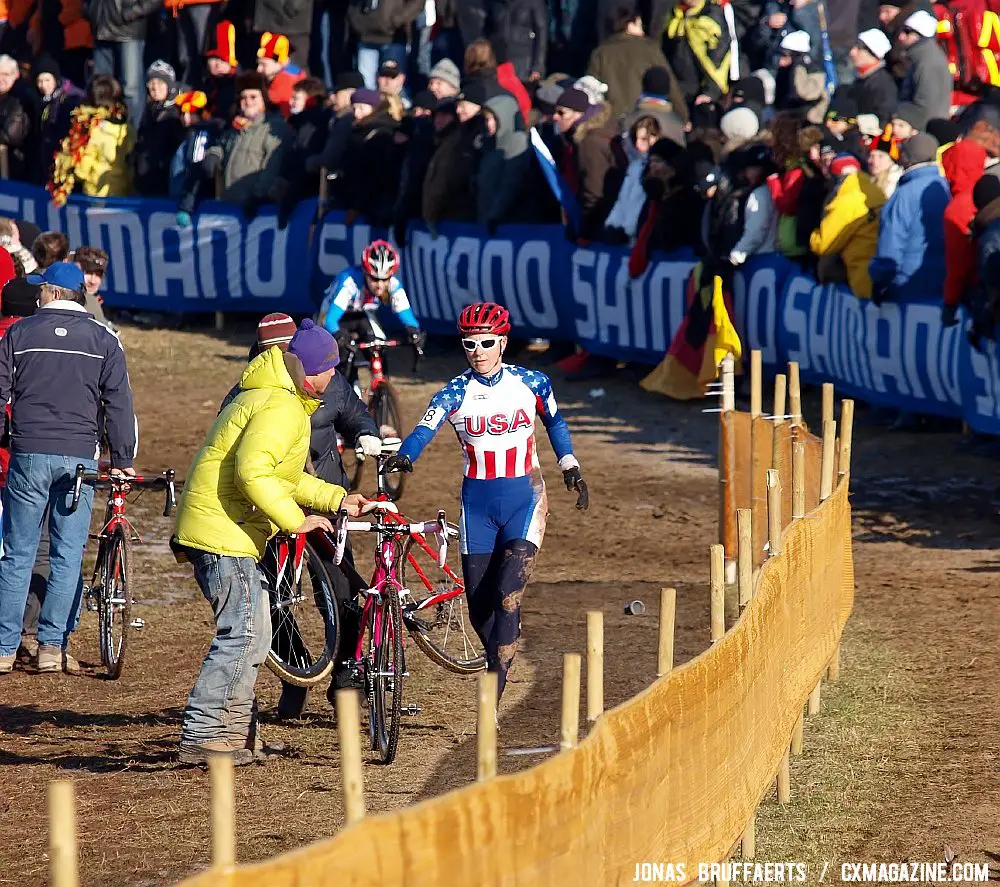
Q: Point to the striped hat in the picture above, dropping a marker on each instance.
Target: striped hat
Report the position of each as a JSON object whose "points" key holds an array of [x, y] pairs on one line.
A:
{"points": [[275, 47], [275, 329]]}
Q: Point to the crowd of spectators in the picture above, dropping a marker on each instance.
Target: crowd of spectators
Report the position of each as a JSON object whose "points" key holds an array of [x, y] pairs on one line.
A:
{"points": [[839, 149]]}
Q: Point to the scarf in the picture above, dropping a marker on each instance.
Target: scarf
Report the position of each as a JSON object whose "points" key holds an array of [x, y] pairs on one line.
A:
{"points": [[85, 121], [638, 261], [702, 34]]}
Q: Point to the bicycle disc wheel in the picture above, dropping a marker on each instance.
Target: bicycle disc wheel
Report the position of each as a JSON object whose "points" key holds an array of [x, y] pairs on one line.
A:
{"points": [[305, 621], [114, 604], [387, 415], [441, 630], [385, 678]]}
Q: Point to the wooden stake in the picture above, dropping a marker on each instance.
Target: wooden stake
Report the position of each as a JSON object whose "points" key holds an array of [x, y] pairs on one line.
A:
{"points": [[486, 729], [665, 653], [756, 383], [761, 456], [349, 738], [595, 665], [794, 393], [728, 384], [718, 592], [744, 558], [814, 698], [773, 512], [62, 834], [846, 435], [220, 777], [570, 726], [798, 479], [827, 401], [784, 781], [780, 391], [826, 465], [748, 843], [797, 734]]}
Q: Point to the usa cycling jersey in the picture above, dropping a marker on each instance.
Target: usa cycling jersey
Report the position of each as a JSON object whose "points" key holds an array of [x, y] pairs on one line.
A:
{"points": [[349, 293], [494, 419]]}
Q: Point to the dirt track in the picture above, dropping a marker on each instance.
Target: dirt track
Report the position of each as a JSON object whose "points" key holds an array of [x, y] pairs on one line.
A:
{"points": [[901, 762]]}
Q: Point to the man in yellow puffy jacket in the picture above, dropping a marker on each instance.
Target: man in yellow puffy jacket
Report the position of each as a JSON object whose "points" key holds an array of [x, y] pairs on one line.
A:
{"points": [[246, 484], [846, 238]]}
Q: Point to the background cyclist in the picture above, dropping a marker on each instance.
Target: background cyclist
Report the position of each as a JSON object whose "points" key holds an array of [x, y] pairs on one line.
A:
{"points": [[352, 300], [493, 407]]}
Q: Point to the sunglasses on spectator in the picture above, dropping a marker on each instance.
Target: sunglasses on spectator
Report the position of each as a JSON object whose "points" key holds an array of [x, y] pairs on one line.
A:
{"points": [[471, 345]]}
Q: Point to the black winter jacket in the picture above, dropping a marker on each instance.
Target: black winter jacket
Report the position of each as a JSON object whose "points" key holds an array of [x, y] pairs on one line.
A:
{"points": [[67, 378], [523, 25], [289, 17], [160, 135], [449, 186], [371, 169], [17, 131], [876, 93], [382, 21], [119, 21]]}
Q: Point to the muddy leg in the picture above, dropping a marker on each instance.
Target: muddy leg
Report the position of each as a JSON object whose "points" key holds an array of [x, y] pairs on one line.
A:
{"points": [[514, 572]]}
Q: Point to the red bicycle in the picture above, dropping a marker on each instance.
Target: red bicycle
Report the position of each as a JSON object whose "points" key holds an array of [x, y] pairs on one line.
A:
{"points": [[111, 589]]}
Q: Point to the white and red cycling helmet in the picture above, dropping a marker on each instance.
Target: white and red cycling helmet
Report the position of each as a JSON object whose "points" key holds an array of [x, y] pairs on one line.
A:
{"points": [[484, 317], [380, 260]]}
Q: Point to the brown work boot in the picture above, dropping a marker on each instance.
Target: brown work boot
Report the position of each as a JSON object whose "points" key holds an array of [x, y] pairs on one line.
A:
{"points": [[28, 649], [55, 660], [7, 663], [198, 754]]}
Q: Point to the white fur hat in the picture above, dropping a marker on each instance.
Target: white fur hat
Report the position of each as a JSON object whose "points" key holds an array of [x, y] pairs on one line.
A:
{"points": [[922, 22]]}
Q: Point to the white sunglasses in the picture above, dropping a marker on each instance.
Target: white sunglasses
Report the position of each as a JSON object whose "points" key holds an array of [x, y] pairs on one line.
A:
{"points": [[471, 345]]}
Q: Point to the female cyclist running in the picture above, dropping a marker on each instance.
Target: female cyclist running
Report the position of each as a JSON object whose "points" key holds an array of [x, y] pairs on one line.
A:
{"points": [[493, 407]]}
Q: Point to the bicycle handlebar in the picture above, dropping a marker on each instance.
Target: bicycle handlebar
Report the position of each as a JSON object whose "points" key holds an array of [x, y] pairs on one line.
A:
{"points": [[438, 528], [125, 482], [377, 344]]}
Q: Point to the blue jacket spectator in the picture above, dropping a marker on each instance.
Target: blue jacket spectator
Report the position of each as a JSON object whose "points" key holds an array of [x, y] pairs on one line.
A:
{"points": [[909, 258]]}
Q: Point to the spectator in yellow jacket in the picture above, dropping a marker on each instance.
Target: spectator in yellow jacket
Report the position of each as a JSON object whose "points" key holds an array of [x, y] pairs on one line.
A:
{"points": [[846, 238]]}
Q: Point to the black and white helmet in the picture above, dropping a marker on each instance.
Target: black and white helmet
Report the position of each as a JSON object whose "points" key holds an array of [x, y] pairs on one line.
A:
{"points": [[380, 260]]}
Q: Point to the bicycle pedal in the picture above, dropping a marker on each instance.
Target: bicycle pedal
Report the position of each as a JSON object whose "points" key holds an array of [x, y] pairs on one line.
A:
{"points": [[410, 709]]}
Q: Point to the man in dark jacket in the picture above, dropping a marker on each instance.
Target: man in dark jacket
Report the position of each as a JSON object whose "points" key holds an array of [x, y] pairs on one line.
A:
{"points": [[159, 134], [59, 98], [16, 123], [420, 133], [71, 372], [928, 85], [380, 28], [623, 59], [504, 167], [523, 28], [696, 43], [119, 28], [874, 89], [449, 193]]}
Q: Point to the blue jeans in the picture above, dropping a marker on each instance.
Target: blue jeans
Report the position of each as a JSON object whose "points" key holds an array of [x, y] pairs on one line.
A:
{"points": [[124, 61], [371, 56], [36, 481], [222, 705]]}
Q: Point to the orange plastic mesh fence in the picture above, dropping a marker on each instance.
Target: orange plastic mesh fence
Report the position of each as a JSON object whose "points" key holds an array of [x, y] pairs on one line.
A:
{"points": [[673, 774]]}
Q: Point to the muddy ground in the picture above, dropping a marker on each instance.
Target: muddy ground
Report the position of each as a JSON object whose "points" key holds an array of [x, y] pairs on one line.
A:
{"points": [[901, 761]]}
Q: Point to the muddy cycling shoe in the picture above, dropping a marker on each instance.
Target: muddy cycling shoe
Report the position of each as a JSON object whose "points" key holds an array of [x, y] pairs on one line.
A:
{"points": [[198, 754]]}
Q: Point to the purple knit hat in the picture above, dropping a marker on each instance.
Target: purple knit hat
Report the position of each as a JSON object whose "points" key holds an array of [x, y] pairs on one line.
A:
{"points": [[315, 348]]}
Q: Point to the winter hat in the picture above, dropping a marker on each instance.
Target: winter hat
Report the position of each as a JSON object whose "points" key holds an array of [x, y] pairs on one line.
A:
{"points": [[275, 47], [844, 164], [875, 42], [739, 123], [748, 91], [474, 91], [770, 86], [348, 80], [366, 97], [191, 102], [945, 131], [20, 298], [910, 113], [574, 99], [594, 89], [657, 81], [921, 148], [46, 64], [921, 22], [315, 348], [161, 70], [251, 80], [547, 96], [985, 191], [225, 44], [796, 41], [869, 126], [447, 71], [275, 329], [886, 143], [842, 107], [425, 100]]}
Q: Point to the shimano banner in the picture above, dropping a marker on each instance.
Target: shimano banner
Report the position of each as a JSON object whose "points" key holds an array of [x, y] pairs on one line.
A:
{"points": [[896, 355]]}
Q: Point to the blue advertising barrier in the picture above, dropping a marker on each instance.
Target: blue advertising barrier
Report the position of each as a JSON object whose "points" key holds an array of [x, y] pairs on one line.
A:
{"points": [[896, 355]]}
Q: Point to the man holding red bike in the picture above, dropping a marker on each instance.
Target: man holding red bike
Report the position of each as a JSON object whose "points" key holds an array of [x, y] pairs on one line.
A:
{"points": [[492, 407], [246, 484]]}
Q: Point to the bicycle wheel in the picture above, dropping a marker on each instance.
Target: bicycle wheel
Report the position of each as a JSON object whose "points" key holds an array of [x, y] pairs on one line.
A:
{"points": [[442, 629], [114, 603], [384, 672], [305, 621], [386, 413]]}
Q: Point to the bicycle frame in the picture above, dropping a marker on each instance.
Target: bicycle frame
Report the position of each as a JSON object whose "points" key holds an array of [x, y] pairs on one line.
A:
{"points": [[386, 555]]}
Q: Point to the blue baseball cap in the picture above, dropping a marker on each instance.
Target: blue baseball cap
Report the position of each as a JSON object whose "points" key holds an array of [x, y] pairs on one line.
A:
{"points": [[64, 274]]}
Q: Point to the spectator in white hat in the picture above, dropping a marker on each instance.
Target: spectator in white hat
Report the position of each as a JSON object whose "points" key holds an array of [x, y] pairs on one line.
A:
{"points": [[929, 82], [874, 88], [801, 82]]}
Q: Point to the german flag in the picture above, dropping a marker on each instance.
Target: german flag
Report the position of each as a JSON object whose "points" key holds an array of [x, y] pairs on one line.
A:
{"points": [[705, 337]]}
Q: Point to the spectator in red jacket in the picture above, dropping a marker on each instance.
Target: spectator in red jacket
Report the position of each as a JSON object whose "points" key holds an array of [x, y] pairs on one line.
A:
{"points": [[963, 167], [481, 64], [281, 74]]}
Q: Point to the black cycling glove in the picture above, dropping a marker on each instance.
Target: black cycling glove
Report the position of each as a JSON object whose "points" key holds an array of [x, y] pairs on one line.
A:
{"points": [[398, 462], [574, 481]]}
